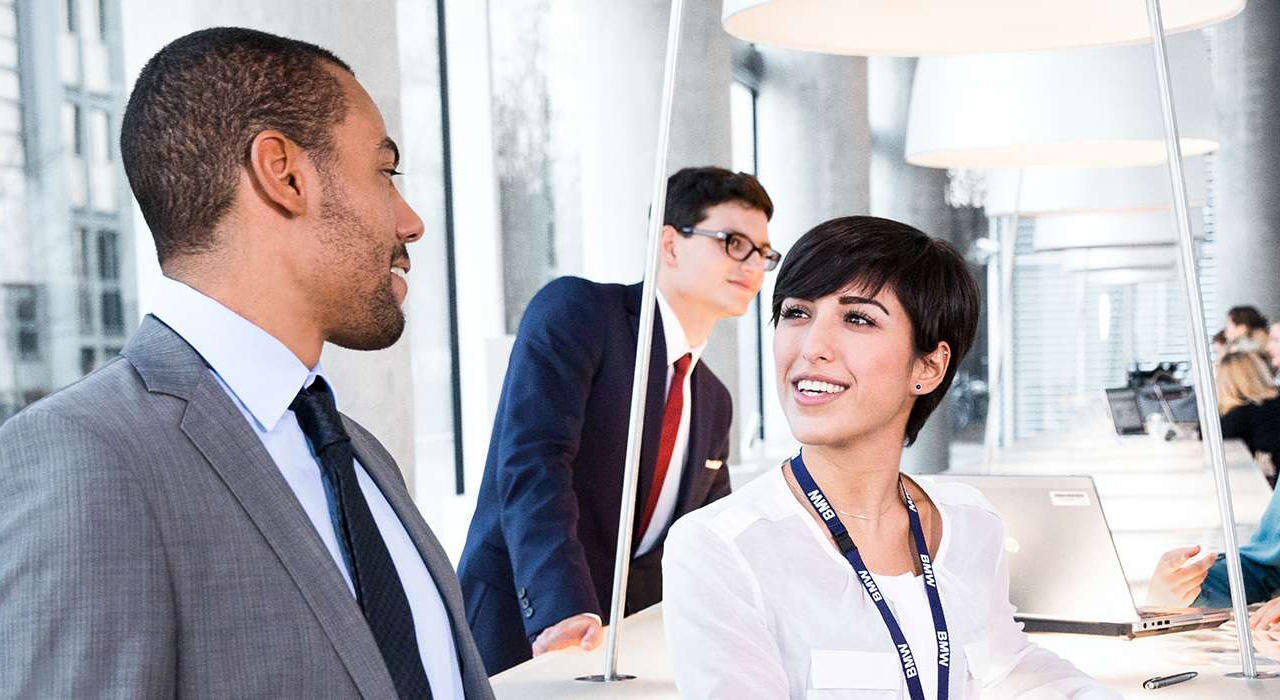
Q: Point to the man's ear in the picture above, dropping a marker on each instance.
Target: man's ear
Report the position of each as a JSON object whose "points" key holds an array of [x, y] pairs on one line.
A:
{"points": [[667, 245], [277, 173], [931, 369]]}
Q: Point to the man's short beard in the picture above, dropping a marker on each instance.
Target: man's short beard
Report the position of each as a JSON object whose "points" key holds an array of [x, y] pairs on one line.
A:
{"points": [[383, 327], [377, 321]]}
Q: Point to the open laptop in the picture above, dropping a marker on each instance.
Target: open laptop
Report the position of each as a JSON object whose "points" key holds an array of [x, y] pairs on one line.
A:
{"points": [[1064, 572]]}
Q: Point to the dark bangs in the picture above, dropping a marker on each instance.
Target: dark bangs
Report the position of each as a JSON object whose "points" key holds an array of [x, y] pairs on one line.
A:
{"points": [[929, 277]]}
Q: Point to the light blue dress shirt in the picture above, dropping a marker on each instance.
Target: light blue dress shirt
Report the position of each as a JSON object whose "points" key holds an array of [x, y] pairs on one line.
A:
{"points": [[262, 377]]}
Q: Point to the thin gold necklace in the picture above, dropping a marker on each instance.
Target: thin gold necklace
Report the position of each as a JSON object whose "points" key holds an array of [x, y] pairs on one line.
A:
{"points": [[863, 516]]}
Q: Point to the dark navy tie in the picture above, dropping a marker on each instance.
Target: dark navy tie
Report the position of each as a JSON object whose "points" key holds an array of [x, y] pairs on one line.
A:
{"points": [[378, 589]]}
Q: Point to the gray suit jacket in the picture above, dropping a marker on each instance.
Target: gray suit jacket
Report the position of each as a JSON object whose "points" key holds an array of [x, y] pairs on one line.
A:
{"points": [[150, 547]]}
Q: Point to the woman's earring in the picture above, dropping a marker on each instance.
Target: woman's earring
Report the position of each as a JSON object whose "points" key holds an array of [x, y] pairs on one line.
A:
{"points": [[918, 387]]}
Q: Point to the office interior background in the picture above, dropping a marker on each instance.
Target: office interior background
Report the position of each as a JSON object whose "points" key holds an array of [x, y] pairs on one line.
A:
{"points": [[528, 129]]}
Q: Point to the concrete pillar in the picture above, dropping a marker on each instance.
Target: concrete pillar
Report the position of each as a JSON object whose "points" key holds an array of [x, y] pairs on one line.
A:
{"points": [[914, 196], [815, 147], [1246, 72]]}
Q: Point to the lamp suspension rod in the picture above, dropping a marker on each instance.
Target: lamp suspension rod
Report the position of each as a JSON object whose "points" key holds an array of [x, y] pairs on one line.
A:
{"points": [[644, 342], [1210, 426]]}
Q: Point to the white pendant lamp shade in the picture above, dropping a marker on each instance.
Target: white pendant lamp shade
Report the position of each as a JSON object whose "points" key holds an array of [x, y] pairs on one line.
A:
{"points": [[932, 27], [1044, 191], [1118, 277], [1097, 259], [1110, 230], [1087, 108]]}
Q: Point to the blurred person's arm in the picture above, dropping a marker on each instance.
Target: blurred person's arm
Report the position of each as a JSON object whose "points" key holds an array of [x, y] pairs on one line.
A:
{"points": [[1176, 581]]}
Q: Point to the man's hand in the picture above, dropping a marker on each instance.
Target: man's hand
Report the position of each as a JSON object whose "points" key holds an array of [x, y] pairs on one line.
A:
{"points": [[1266, 616], [581, 630], [1175, 583]]}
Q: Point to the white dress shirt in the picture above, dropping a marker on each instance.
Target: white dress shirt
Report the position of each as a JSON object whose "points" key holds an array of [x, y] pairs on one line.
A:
{"points": [[262, 377], [759, 603], [677, 346]]}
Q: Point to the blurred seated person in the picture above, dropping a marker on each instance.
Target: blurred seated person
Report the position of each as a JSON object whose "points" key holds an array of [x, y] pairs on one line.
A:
{"points": [[1273, 349], [1246, 329], [1219, 344], [1183, 579], [1250, 408], [834, 574]]}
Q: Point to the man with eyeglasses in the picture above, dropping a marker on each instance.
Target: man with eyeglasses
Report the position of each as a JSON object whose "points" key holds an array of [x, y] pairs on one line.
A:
{"points": [[537, 571]]}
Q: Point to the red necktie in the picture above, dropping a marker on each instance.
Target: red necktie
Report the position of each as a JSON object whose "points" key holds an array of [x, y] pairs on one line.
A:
{"points": [[667, 445]]}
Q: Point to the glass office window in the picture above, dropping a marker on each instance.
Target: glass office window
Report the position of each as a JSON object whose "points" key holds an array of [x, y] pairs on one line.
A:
{"points": [[67, 275], [24, 320]]}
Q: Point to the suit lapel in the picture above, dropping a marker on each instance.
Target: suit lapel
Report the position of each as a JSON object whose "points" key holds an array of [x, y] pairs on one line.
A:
{"points": [[221, 434], [697, 478], [654, 404], [384, 473]]}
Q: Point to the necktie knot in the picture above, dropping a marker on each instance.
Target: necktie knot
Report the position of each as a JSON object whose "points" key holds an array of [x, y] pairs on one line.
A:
{"points": [[681, 366], [318, 415]]}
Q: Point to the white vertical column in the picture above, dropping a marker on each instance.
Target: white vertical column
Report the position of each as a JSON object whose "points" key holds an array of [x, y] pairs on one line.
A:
{"points": [[815, 158]]}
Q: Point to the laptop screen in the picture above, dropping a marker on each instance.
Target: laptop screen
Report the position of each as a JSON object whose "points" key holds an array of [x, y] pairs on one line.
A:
{"points": [[1125, 414], [1062, 561]]}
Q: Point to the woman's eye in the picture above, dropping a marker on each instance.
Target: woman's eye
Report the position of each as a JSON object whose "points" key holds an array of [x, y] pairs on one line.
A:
{"points": [[858, 319], [793, 312]]}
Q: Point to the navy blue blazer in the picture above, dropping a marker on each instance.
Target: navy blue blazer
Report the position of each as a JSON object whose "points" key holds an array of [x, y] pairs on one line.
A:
{"points": [[542, 540]]}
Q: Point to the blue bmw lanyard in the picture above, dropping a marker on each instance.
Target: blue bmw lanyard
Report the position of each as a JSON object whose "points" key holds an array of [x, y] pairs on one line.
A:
{"points": [[850, 552]]}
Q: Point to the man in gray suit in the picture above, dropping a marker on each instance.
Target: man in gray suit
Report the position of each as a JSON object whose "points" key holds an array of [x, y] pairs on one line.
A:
{"points": [[197, 518]]}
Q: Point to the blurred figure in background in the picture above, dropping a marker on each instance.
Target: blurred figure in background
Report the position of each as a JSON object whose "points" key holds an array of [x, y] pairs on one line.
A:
{"points": [[1250, 409], [1249, 403], [1246, 329], [1219, 344], [537, 570], [1273, 349]]}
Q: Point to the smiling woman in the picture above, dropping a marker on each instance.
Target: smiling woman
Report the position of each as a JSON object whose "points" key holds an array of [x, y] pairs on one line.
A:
{"points": [[903, 588]]}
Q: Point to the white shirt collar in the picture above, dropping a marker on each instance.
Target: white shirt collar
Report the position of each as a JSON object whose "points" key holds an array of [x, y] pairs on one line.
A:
{"points": [[261, 372], [673, 333]]}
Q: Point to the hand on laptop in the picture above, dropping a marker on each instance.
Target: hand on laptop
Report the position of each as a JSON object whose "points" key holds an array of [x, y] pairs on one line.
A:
{"points": [[1264, 617], [1176, 581], [582, 630]]}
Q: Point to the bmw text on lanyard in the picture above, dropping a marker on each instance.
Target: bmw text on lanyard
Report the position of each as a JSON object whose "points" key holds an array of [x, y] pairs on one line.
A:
{"points": [[850, 551]]}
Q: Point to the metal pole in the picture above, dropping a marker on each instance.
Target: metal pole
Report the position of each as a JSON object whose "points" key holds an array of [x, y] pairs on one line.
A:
{"points": [[1210, 427], [1008, 259], [644, 339], [991, 436]]}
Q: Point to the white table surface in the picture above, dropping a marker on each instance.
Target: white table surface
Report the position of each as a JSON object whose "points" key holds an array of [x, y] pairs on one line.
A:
{"points": [[1121, 664], [1156, 494]]}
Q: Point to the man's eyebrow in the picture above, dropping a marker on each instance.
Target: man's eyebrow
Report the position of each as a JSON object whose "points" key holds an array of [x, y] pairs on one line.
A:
{"points": [[390, 145], [849, 299], [748, 237]]}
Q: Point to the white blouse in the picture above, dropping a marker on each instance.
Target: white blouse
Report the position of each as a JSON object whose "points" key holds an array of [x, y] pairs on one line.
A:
{"points": [[759, 604]]}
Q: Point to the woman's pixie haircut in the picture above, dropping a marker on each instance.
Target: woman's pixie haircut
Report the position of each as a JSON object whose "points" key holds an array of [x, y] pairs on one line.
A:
{"points": [[929, 277]]}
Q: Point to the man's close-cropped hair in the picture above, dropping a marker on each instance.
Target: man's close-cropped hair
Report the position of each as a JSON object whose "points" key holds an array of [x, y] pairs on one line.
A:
{"points": [[930, 278], [691, 191], [195, 110]]}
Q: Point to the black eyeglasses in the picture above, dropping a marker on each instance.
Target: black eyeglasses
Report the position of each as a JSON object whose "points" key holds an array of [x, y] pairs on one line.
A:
{"points": [[738, 246]]}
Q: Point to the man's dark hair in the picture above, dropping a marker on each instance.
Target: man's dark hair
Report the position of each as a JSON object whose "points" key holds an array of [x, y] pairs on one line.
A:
{"points": [[928, 275], [692, 191], [195, 110], [1247, 316]]}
